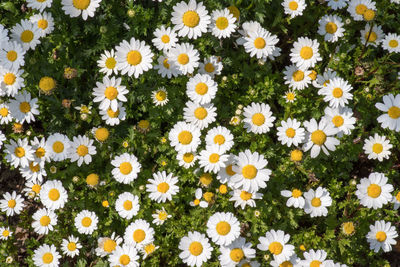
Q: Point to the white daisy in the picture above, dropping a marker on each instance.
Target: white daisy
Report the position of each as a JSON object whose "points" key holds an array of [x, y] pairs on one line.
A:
{"points": [[211, 66], [184, 137], [243, 198], [46, 256], [124, 256], [39, 147], [133, 57], [374, 191], [5, 114], [32, 187], [81, 150], [126, 168], [250, 172], [225, 174], [324, 79], [44, 22], [391, 105], [195, 248], [53, 195], [377, 147], [75, 8], [86, 222], [71, 246], [258, 118], [39, 4], [10, 81], [5, 233], [260, 43], [201, 89], [305, 53], [12, 203], [190, 19], [160, 96], [185, 57], [294, 8], [374, 35], [44, 221], [391, 43], [26, 33], [220, 136], [212, 159], [199, 115], [109, 93], [148, 249], [127, 205], [186, 159], [165, 38], [358, 8], [382, 235], [12, 55], [276, 243], [160, 216], [162, 187], [58, 146], [296, 78], [19, 153], [337, 92], [341, 118], [235, 252], [296, 198], [106, 245], [290, 133], [166, 68], [34, 172], [317, 202], [108, 63], [337, 4], [313, 258], [331, 27], [24, 108], [139, 233], [223, 228], [222, 23], [113, 117], [319, 136]]}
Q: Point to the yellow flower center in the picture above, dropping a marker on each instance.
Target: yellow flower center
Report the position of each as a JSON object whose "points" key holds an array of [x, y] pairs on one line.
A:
{"points": [[139, 235], [9, 78], [36, 188], [337, 92], [149, 248], [42, 24], [296, 193], [71, 246], [318, 137], [134, 57], [191, 19], [102, 134], [144, 124], [236, 254], [124, 259], [258, 119], [162, 215], [188, 157], [214, 158], [111, 92], [86, 222], [259, 43], [296, 155], [315, 263], [290, 96], [290, 132], [249, 171], [223, 228], [331, 27], [196, 202], [81, 4], [185, 137], [229, 170], [161, 95], [58, 147], [219, 139], [377, 148], [19, 152], [381, 236], [34, 167], [398, 196], [6, 233], [196, 248], [313, 75], [369, 15], [163, 187], [209, 67], [112, 114], [222, 23], [374, 190], [360, 9], [54, 194], [47, 258], [4, 112], [316, 202], [109, 245], [286, 264], [201, 88], [293, 5], [12, 203], [244, 195], [165, 63], [200, 113], [306, 52], [183, 59], [275, 248], [208, 196], [127, 205], [348, 228], [82, 150], [110, 63], [24, 107], [47, 84], [372, 37], [92, 179], [45, 220], [125, 168], [298, 75], [165, 39], [338, 120], [393, 43], [206, 179], [393, 112], [12, 55], [26, 36]]}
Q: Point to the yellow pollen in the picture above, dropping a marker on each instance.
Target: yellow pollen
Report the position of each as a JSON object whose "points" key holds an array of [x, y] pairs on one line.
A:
{"points": [[165, 39], [45, 220], [290, 96], [374, 190], [222, 23], [313, 75], [275, 248], [200, 113], [306, 52], [398, 196], [249, 171], [124, 259], [162, 215], [360, 9], [196, 202], [36, 188], [125, 168], [19, 152], [92, 179], [337, 92], [86, 222], [110, 63], [393, 112], [82, 150], [244, 195], [24, 107], [331, 27], [318, 137], [338, 120], [188, 157], [369, 15], [81, 4], [258, 119], [219, 139], [286, 264], [393, 43], [208, 196], [34, 167], [290, 132], [54, 194], [42, 24], [71, 246], [12, 55], [102, 134], [348, 228], [223, 228], [47, 258], [209, 67], [161, 95], [316, 202], [9, 78], [58, 147], [46, 84], [191, 18], [259, 43], [206, 179], [3, 112], [26, 36], [201, 88], [296, 193], [315, 263], [293, 5], [139, 235], [112, 114], [5, 233], [381, 236], [165, 63], [196, 248], [127, 205], [134, 57], [229, 170], [111, 92], [183, 59], [296, 155], [372, 37], [163, 187], [185, 137], [150, 248], [214, 158], [11, 203], [236, 254], [377, 148], [298, 75]]}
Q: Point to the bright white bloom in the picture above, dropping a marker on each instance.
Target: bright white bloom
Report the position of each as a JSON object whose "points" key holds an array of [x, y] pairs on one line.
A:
{"points": [[113, 118], [81, 150], [160, 96], [5, 233], [212, 159], [124, 256], [260, 43], [10, 81], [39, 4], [160, 216], [53, 195], [126, 168], [225, 174], [223, 228], [211, 66], [24, 108], [337, 4], [374, 191], [290, 133], [305, 53], [127, 205], [108, 63], [39, 147], [195, 248], [199, 115], [184, 57], [222, 23], [46, 256], [331, 27], [12, 203], [377, 147], [296, 198], [148, 249], [201, 89], [186, 159], [243, 198], [391, 105], [26, 33], [220, 136], [319, 136], [337, 92], [166, 68], [391, 43], [162, 187], [233, 253], [312, 257], [75, 8], [341, 118], [70, 246], [374, 35], [19, 153], [109, 93], [44, 221], [276, 242], [258, 118], [361, 9], [106, 245], [44, 22], [317, 202], [86, 222], [58, 146], [382, 235], [184, 137], [197, 201], [165, 38], [296, 78], [12, 55], [34, 172], [139, 233], [5, 114]]}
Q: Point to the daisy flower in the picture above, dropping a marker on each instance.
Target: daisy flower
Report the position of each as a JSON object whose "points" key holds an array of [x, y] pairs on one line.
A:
{"points": [[221, 137], [222, 23], [106, 245], [5, 114], [196, 249], [19, 153], [331, 27], [53, 195], [305, 53], [5, 233], [12, 55], [185, 57], [337, 4], [296, 78], [109, 92], [186, 159], [133, 57], [27, 34], [190, 19], [124, 256], [391, 43], [108, 63], [319, 136], [396, 201], [165, 38], [113, 117], [312, 257], [138, 233], [148, 249], [101, 134], [317, 202], [39, 4], [23, 108], [337, 92], [276, 243], [166, 68], [250, 172], [160, 96], [86, 222], [160, 216], [44, 221], [223, 228], [32, 187], [211, 66], [44, 22], [34, 171], [75, 8], [201, 89], [248, 26], [10, 81], [296, 198], [70, 247], [260, 43], [243, 198], [197, 201], [12, 203], [212, 159], [233, 253], [290, 133], [341, 118], [391, 105], [46, 256], [374, 191], [127, 205], [324, 79], [374, 35], [290, 96], [359, 8], [377, 147], [58, 146], [39, 147], [382, 235], [81, 150], [258, 118], [162, 187], [294, 8], [126, 168], [184, 137]]}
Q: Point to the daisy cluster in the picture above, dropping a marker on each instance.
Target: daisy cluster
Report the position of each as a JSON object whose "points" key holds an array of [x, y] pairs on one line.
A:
{"points": [[140, 196]]}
